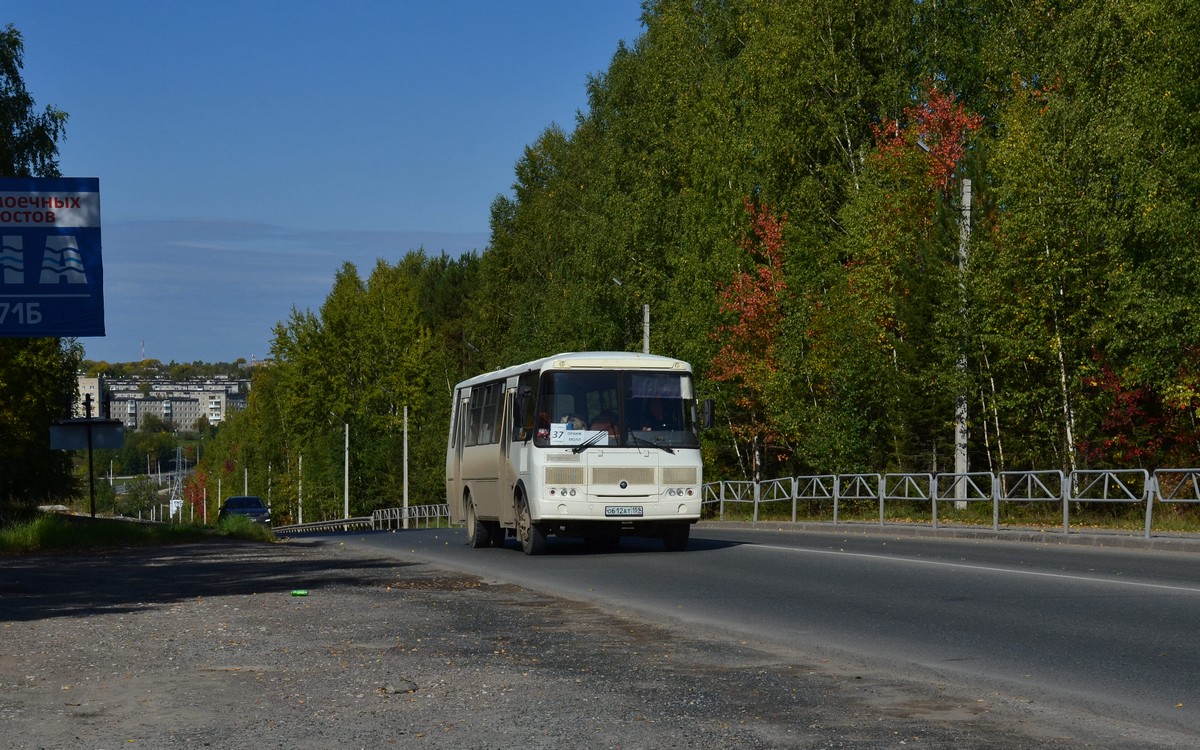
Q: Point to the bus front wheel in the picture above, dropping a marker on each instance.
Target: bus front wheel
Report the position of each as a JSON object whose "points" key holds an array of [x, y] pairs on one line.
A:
{"points": [[533, 538]]}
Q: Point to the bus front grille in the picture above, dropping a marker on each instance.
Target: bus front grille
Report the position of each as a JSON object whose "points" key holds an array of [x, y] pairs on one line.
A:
{"points": [[565, 475], [633, 475], [679, 475]]}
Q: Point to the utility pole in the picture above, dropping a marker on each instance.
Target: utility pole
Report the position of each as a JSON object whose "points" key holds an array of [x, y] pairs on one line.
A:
{"points": [[645, 329], [87, 405], [346, 463], [961, 465], [405, 518]]}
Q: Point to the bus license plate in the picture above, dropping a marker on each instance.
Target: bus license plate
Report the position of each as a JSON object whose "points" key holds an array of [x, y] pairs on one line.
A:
{"points": [[622, 510]]}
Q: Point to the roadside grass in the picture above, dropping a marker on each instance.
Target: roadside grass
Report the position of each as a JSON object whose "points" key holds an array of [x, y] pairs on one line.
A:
{"points": [[58, 533]]}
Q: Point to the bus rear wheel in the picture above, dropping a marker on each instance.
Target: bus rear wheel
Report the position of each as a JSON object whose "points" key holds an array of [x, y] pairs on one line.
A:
{"points": [[477, 531], [532, 536]]}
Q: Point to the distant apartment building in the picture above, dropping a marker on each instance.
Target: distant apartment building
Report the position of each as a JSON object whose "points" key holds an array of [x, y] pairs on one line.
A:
{"points": [[179, 403], [93, 387]]}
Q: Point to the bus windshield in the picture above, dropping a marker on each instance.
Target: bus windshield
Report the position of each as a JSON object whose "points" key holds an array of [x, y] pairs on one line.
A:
{"points": [[621, 408]]}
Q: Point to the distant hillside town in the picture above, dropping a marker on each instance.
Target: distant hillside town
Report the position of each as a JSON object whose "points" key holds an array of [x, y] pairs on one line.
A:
{"points": [[187, 405]]}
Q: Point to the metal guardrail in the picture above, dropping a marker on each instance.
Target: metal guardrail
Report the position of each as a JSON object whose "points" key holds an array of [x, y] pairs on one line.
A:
{"points": [[1177, 485], [1134, 486], [339, 524], [419, 516], [966, 488], [908, 487], [775, 491]]}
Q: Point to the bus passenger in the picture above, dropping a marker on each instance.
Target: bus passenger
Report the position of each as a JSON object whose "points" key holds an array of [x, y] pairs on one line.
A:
{"points": [[655, 417], [607, 422]]}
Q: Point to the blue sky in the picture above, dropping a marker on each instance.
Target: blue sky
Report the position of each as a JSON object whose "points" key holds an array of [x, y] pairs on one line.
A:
{"points": [[246, 150]]}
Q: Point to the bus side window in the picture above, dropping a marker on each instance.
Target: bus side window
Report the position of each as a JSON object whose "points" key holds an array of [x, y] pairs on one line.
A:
{"points": [[476, 407]]}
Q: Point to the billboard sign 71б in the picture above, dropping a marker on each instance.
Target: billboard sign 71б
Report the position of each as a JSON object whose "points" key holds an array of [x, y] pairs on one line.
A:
{"points": [[51, 275]]}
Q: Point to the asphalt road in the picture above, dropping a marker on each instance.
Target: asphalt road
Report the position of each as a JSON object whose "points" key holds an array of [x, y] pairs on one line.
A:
{"points": [[1106, 635]]}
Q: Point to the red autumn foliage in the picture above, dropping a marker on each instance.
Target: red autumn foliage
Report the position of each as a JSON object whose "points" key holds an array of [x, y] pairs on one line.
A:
{"points": [[940, 123], [751, 300], [193, 490], [1137, 426]]}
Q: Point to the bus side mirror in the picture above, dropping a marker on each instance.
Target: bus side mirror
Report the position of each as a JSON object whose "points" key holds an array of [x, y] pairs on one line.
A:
{"points": [[706, 419]]}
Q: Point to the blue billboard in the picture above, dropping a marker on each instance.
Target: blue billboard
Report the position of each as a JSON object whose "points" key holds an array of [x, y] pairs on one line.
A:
{"points": [[51, 275]]}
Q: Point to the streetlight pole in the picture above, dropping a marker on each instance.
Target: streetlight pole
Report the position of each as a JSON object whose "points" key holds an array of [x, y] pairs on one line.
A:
{"points": [[346, 483]]}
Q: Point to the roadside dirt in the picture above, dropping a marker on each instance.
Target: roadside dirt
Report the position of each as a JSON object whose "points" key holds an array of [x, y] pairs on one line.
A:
{"points": [[205, 646]]}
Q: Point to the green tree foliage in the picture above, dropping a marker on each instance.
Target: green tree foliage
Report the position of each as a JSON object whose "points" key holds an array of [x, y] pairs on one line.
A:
{"points": [[884, 330], [37, 376], [841, 338], [37, 387], [141, 497], [361, 360], [153, 368], [1077, 125], [28, 138], [1086, 280]]}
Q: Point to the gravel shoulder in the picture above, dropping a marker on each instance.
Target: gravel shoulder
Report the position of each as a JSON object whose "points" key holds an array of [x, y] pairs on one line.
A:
{"points": [[205, 646]]}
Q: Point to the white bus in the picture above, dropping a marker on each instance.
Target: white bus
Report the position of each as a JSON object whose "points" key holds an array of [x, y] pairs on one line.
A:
{"points": [[593, 445]]}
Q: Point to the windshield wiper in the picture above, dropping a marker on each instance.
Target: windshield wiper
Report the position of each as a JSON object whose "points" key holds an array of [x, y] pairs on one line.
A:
{"points": [[589, 442], [651, 443]]}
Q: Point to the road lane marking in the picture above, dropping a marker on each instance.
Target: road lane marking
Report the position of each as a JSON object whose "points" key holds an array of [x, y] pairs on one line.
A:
{"points": [[984, 568]]}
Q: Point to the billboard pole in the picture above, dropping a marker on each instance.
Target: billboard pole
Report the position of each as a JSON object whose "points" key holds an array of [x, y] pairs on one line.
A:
{"points": [[87, 411]]}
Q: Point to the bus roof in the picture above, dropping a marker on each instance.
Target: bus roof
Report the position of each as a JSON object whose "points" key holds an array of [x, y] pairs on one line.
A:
{"points": [[587, 361]]}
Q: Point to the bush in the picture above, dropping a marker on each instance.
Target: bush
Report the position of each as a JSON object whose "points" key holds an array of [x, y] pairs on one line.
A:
{"points": [[50, 532]]}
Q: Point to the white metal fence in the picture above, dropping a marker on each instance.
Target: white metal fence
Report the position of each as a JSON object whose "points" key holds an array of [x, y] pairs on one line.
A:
{"points": [[1133, 486], [781, 497]]}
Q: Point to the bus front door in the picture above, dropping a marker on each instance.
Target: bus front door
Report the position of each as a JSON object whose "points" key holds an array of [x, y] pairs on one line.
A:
{"points": [[508, 455], [458, 487]]}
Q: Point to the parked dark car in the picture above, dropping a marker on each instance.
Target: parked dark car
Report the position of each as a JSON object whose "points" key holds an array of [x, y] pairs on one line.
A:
{"points": [[250, 506]]}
